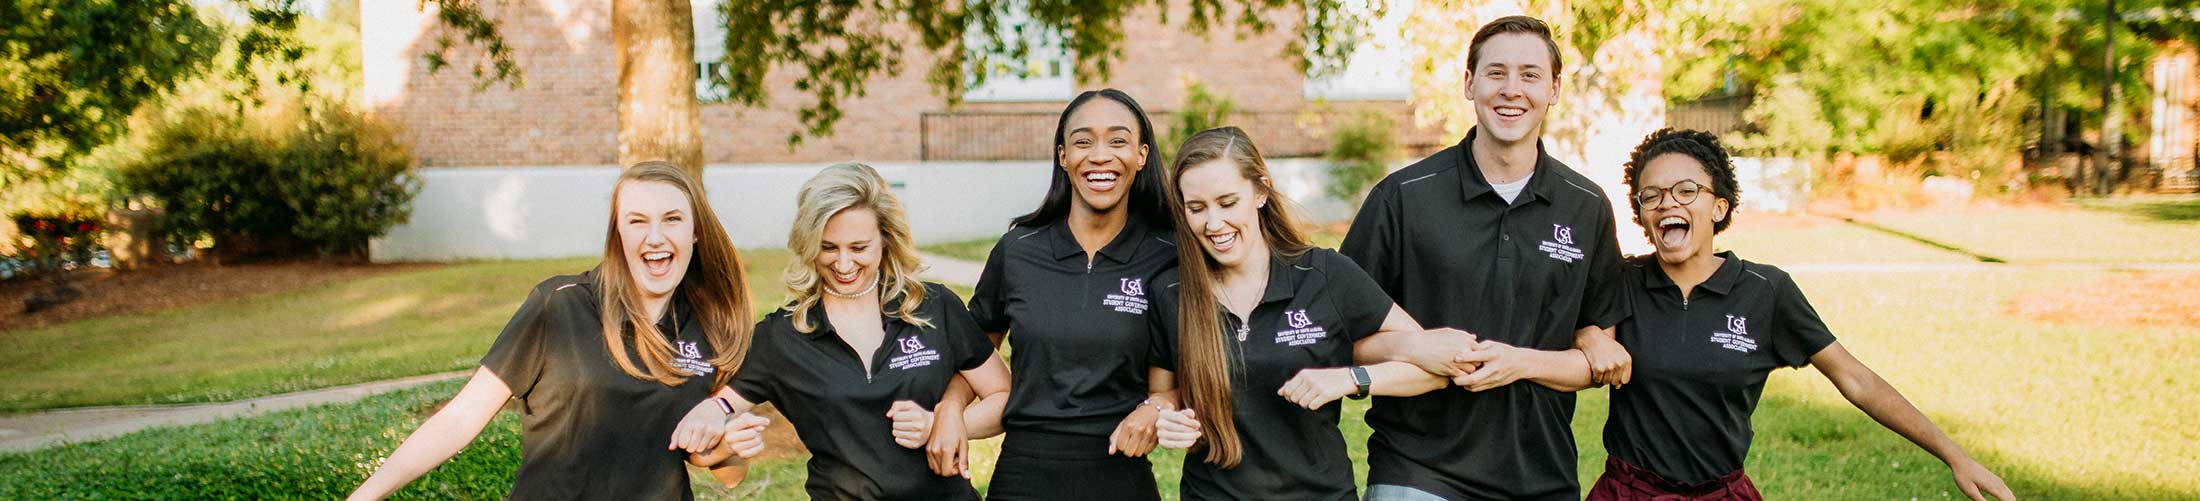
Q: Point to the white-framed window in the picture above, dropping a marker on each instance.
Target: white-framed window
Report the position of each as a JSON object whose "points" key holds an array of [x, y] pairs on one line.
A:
{"points": [[1377, 69], [1046, 73], [710, 48]]}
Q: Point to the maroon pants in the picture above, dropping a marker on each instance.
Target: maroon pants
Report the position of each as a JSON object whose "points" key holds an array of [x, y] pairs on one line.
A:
{"points": [[1625, 482]]}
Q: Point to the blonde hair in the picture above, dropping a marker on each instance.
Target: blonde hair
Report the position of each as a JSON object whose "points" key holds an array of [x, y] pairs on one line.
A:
{"points": [[713, 285], [840, 188]]}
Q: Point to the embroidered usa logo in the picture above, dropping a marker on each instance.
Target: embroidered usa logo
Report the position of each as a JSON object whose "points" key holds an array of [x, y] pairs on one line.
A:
{"points": [[1133, 286], [689, 350], [1563, 234], [1737, 324], [1298, 319], [911, 345]]}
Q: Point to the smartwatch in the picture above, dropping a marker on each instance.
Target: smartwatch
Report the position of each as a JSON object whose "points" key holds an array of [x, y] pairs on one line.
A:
{"points": [[1361, 380]]}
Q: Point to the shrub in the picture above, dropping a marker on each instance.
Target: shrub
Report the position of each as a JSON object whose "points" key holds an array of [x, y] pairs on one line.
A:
{"points": [[1360, 151], [323, 178], [1203, 109], [347, 179]]}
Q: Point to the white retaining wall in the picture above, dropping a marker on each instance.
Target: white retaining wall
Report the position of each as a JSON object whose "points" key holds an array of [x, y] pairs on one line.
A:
{"points": [[537, 212]]}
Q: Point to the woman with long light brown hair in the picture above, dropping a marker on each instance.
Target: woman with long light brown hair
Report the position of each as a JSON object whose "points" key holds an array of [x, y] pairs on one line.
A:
{"points": [[864, 350], [605, 362], [1263, 331]]}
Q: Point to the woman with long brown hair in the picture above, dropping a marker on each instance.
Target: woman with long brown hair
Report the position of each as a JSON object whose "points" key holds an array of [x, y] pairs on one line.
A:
{"points": [[1263, 330], [604, 363]]}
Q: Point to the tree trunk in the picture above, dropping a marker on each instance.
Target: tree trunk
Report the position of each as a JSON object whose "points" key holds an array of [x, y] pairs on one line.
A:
{"points": [[659, 118]]}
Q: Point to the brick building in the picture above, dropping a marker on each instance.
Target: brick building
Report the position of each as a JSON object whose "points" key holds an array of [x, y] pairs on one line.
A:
{"points": [[524, 172], [565, 115]]}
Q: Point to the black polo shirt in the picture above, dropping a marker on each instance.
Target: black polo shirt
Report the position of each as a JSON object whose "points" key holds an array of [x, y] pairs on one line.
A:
{"points": [[587, 429], [839, 408], [1078, 333], [1701, 362], [1526, 273], [1316, 305]]}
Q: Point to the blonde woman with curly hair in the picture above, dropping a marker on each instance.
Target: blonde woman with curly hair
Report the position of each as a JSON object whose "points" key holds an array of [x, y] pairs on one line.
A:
{"points": [[863, 351]]}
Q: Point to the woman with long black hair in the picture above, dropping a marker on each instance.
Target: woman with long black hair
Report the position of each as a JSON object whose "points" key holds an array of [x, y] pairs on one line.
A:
{"points": [[1066, 286]]}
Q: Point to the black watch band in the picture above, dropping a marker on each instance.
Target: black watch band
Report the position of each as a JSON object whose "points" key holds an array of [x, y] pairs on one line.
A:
{"points": [[1361, 380]]}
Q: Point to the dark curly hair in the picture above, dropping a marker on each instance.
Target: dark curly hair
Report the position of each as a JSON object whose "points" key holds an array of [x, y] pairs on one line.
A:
{"points": [[1700, 145]]}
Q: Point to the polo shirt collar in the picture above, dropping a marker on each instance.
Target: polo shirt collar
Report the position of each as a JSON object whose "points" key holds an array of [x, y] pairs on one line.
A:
{"points": [[1472, 184], [1121, 249], [682, 310], [825, 324], [1283, 278], [1721, 282]]}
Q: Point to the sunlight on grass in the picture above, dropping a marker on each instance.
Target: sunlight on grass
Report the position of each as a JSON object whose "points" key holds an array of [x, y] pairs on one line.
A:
{"points": [[383, 327], [2108, 233]]}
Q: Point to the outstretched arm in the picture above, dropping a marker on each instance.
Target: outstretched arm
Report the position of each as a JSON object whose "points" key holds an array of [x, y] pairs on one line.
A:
{"points": [[441, 437], [1878, 399]]}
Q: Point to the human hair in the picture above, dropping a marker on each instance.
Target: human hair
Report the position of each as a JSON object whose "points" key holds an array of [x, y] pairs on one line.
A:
{"points": [[1514, 24], [1203, 366], [1145, 195], [713, 286], [1699, 145], [841, 188]]}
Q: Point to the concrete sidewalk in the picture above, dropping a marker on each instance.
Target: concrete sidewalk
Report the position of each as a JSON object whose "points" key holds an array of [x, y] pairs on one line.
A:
{"points": [[949, 270], [38, 430]]}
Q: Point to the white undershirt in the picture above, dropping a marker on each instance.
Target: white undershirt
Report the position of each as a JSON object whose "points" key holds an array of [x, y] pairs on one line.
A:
{"points": [[1512, 190]]}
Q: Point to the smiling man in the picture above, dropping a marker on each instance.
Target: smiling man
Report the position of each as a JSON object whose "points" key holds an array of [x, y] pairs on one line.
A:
{"points": [[1494, 237]]}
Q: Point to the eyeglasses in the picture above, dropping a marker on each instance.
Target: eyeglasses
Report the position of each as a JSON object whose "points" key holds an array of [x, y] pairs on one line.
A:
{"points": [[1683, 192]]}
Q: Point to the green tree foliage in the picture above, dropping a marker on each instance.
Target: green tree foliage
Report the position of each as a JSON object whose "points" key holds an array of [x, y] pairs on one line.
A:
{"points": [[76, 70], [1969, 81]]}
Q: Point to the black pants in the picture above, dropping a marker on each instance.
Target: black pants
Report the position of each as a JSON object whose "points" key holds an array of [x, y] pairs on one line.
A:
{"points": [[1038, 465]]}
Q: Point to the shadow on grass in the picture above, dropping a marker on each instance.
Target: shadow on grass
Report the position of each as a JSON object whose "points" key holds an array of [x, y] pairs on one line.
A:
{"points": [[1983, 258], [2187, 210], [1808, 450]]}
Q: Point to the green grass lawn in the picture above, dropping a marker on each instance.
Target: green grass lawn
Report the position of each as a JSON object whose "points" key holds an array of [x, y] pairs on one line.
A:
{"points": [[2060, 411], [383, 327], [967, 250], [2141, 229]]}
